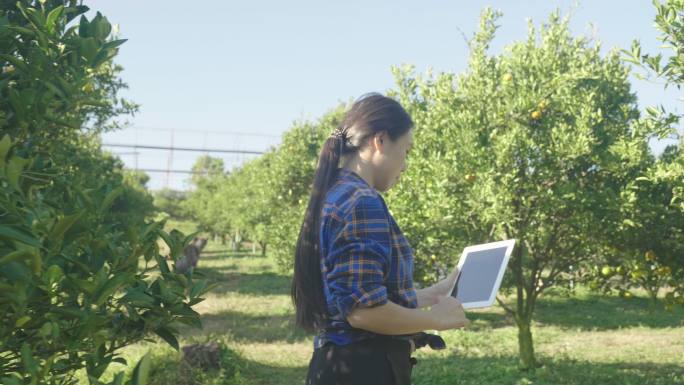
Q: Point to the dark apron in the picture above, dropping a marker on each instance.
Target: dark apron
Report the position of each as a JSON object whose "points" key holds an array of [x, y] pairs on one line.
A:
{"points": [[374, 361]]}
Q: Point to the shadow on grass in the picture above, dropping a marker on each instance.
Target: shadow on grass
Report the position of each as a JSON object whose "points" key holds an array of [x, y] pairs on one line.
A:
{"points": [[586, 312], [258, 373], [598, 312], [265, 283], [483, 320], [456, 369], [223, 254], [250, 328]]}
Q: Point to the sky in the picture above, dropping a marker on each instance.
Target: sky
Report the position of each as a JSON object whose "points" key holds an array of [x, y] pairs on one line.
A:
{"points": [[237, 74]]}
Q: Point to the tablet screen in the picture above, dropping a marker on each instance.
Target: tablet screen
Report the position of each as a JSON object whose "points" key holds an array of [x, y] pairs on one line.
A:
{"points": [[478, 274]]}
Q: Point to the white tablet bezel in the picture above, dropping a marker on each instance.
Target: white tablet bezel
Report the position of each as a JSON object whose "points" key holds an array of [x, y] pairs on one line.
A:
{"points": [[509, 243]]}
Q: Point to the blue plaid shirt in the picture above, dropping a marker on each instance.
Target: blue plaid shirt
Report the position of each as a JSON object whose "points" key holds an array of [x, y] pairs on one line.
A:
{"points": [[365, 259]]}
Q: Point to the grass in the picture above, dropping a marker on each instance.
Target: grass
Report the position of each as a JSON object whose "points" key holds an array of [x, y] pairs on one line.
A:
{"points": [[584, 339]]}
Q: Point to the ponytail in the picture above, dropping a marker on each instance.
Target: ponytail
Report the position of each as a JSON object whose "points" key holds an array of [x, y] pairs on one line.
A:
{"points": [[307, 283]]}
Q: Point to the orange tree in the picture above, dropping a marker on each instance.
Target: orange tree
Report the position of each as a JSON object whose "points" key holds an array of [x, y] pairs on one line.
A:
{"points": [[200, 204], [289, 180], [533, 144], [266, 197], [73, 225], [646, 247], [253, 215], [667, 177]]}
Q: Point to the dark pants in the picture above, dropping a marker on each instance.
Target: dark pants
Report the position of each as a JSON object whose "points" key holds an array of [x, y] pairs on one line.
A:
{"points": [[376, 361]]}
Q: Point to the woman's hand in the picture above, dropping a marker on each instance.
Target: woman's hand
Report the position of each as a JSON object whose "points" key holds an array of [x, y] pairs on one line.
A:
{"points": [[448, 283], [448, 313], [430, 295]]}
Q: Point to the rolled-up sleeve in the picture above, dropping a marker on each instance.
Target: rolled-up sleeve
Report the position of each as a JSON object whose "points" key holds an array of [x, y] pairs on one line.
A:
{"points": [[359, 257]]}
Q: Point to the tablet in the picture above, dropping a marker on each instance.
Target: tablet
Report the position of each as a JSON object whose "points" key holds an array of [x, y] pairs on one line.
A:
{"points": [[481, 269]]}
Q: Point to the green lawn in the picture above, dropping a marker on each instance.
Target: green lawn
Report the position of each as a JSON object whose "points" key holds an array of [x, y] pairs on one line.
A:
{"points": [[586, 339]]}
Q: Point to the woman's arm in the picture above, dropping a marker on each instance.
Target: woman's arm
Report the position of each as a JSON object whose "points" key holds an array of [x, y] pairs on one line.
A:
{"points": [[393, 319]]}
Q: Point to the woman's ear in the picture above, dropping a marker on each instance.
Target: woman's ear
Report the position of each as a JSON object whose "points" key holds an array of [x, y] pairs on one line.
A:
{"points": [[378, 140]]}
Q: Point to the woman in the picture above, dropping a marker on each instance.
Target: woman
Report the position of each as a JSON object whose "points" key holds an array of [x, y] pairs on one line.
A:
{"points": [[353, 280]]}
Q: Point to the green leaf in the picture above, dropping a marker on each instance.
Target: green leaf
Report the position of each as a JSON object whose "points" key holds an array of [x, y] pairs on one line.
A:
{"points": [[12, 234], [113, 44], [138, 298], [87, 287], [11, 381], [119, 378], [167, 239], [22, 30], [141, 371], [53, 274], [109, 199], [100, 26], [27, 358], [5, 145], [88, 48], [198, 288], [83, 27], [34, 15], [94, 102], [22, 321], [183, 310], [64, 224], [149, 228], [111, 286], [15, 256], [54, 89], [73, 12], [102, 57], [14, 168], [167, 336], [4, 23], [17, 104], [53, 17], [163, 266]]}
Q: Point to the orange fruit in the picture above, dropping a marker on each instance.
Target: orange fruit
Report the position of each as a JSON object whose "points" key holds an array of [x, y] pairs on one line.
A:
{"points": [[606, 271]]}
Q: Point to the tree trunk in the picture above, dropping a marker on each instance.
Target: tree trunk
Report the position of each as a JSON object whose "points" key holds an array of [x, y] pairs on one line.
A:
{"points": [[653, 296], [223, 239], [263, 248], [525, 345], [237, 241], [524, 309]]}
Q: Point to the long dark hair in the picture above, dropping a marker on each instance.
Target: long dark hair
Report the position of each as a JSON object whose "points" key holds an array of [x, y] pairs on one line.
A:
{"points": [[372, 113]]}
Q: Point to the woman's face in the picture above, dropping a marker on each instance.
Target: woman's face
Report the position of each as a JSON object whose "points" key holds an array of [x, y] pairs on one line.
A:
{"points": [[390, 159]]}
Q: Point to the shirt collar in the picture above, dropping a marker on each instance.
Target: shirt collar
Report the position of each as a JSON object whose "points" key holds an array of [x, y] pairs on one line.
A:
{"points": [[351, 175]]}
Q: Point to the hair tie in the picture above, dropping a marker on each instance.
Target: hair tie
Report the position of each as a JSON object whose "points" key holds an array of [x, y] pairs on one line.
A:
{"points": [[338, 133]]}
